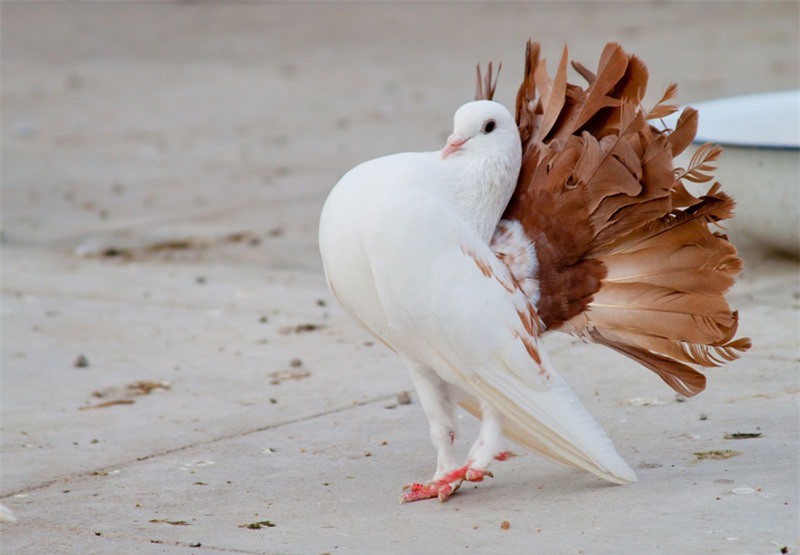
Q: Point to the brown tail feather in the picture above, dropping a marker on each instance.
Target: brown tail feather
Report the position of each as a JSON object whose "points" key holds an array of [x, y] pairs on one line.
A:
{"points": [[626, 256], [680, 377], [484, 89]]}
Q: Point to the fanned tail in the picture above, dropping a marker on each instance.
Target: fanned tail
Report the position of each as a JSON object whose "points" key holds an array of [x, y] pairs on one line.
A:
{"points": [[662, 302], [626, 254]]}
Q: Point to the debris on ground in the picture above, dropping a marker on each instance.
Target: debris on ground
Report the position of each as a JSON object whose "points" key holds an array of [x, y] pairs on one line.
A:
{"points": [[126, 395], [172, 522], [505, 525], [299, 328], [108, 404], [283, 375], [145, 387], [716, 455], [104, 472], [258, 525], [133, 247], [403, 398], [244, 237], [81, 362], [139, 387], [742, 435]]}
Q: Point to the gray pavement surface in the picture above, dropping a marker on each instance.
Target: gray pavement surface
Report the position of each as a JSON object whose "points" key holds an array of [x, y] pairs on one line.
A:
{"points": [[163, 168]]}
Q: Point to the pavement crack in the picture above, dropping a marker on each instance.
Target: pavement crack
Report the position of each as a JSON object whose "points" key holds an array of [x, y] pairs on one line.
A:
{"points": [[212, 548], [225, 437]]}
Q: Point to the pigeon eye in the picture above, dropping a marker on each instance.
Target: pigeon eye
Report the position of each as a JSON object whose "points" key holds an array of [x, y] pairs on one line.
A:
{"points": [[489, 126]]}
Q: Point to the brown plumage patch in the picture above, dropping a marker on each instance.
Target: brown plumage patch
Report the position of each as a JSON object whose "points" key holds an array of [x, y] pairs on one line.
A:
{"points": [[529, 321], [485, 268], [528, 342], [528, 318], [509, 284], [533, 353], [626, 256]]}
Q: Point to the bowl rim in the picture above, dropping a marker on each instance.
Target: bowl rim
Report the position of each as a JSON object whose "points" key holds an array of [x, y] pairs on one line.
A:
{"points": [[717, 106]]}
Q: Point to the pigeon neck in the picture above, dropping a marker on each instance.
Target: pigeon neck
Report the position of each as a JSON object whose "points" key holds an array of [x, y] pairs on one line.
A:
{"points": [[480, 189]]}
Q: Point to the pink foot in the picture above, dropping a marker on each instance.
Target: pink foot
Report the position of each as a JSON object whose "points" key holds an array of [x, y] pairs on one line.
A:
{"points": [[445, 486], [437, 488]]}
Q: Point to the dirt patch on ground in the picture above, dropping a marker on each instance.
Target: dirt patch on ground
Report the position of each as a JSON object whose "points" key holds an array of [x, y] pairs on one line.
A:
{"points": [[716, 455], [129, 248], [126, 395]]}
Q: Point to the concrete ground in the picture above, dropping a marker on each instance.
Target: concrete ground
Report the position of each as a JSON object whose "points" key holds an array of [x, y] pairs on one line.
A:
{"points": [[174, 368]]}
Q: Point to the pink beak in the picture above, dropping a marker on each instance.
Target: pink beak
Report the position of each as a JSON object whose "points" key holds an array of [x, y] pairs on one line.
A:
{"points": [[454, 144]]}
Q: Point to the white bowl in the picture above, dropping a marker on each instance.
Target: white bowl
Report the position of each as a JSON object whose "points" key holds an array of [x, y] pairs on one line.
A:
{"points": [[760, 166]]}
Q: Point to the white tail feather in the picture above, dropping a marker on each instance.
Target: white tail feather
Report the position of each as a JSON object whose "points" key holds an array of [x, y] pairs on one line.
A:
{"points": [[554, 424]]}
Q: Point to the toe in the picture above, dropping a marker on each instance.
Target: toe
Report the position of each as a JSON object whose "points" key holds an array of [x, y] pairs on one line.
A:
{"points": [[477, 475], [414, 487], [444, 492], [420, 493]]}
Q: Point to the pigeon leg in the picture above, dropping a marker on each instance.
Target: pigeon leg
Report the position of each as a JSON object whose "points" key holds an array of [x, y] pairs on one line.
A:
{"points": [[434, 396], [488, 446]]}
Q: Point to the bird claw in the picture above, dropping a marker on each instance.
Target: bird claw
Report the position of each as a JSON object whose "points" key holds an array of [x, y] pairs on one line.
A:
{"points": [[445, 486], [437, 488], [477, 475]]}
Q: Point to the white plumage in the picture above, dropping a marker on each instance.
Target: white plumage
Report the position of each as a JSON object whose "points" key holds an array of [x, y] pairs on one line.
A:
{"points": [[405, 246]]}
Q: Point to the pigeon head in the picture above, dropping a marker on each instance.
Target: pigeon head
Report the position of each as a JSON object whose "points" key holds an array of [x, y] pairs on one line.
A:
{"points": [[482, 128], [480, 163]]}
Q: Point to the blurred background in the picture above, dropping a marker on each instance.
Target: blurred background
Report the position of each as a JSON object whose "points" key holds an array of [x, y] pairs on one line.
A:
{"points": [[166, 321], [204, 117]]}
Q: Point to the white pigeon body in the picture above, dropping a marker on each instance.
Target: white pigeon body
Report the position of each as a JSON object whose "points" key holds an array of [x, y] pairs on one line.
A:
{"points": [[405, 242]]}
